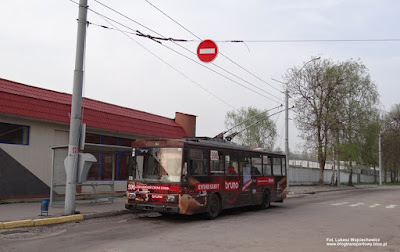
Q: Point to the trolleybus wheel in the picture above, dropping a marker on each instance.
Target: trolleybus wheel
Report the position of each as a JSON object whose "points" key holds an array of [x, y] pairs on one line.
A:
{"points": [[266, 201], [214, 207]]}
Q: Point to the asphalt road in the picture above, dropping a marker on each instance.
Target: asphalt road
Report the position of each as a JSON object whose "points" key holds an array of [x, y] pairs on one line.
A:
{"points": [[356, 220]]}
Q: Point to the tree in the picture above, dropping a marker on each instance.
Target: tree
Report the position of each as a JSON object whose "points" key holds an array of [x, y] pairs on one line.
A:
{"points": [[317, 90], [357, 110], [332, 100], [261, 134], [369, 143], [390, 142]]}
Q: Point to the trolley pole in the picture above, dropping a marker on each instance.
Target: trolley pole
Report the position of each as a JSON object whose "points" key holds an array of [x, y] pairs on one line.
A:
{"points": [[287, 120], [76, 116]]}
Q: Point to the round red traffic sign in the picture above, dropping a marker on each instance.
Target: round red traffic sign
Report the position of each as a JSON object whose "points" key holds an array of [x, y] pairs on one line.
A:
{"points": [[207, 50]]}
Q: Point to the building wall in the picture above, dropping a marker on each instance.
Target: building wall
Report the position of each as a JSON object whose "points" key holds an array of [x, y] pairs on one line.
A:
{"points": [[36, 157]]}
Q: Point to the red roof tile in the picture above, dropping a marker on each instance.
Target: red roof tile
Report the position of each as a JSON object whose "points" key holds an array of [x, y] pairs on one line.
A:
{"points": [[23, 100]]}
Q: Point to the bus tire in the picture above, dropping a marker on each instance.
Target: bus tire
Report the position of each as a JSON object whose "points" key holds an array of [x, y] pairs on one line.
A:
{"points": [[266, 200], [213, 207]]}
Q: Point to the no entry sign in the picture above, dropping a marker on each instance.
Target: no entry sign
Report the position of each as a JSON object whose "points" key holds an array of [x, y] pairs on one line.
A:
{"points": [[207, 50]]}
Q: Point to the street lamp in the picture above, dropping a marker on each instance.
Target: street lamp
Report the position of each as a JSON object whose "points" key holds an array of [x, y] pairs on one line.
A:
{"points": [[287, 118]]}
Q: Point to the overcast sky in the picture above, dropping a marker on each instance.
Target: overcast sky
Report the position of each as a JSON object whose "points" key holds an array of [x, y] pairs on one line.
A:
{"points": [[38, 42]]}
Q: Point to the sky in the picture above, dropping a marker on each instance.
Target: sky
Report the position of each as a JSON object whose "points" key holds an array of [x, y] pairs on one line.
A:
{"points": [[38, 45]]}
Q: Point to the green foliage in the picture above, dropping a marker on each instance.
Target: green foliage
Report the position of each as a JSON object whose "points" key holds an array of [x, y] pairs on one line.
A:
{"points": [[369, 143], [390, 141], [261, 134], [335, 100]]}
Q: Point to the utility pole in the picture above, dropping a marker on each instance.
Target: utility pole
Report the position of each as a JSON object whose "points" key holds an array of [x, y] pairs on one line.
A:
{"points": [[71, 163], [380, 160], [338, 160], [287, 137], [287, 119]]}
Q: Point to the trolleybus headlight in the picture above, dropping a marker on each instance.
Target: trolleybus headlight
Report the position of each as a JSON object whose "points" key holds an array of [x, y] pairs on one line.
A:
{"points": [[171, 198], [132, 195]]}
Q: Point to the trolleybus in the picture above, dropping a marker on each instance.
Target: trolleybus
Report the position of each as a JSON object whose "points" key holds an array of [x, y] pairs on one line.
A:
{"points": [[202, 175]]}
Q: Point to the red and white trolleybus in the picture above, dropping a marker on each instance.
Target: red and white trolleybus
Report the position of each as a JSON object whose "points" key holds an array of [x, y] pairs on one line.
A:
{"points": [[202, 175]]}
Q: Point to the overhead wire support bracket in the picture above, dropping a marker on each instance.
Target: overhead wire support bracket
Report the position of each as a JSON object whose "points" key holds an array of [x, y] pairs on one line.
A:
{"points": [[138, 33]]}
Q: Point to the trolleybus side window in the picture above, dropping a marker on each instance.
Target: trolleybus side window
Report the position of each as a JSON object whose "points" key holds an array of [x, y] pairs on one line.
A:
{"points": [[277, 166], [231, 161], [283, 166], [244, 164], [198, 161], [256, 165], [267, 169], [216, 162]]}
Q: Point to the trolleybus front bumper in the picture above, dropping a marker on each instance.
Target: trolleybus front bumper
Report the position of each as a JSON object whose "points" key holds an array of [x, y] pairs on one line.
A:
{"points": [[153, 208]]}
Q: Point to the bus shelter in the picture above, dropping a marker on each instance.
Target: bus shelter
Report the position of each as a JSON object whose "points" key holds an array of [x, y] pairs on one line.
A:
{"points": [[100, 186]]}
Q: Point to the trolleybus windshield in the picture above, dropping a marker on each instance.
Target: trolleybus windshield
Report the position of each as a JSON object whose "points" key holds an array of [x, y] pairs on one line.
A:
{"points": [[159, 164]]}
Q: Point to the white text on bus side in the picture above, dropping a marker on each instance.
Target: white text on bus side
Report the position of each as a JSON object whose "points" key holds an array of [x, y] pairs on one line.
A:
{"points": [[231, 185]]}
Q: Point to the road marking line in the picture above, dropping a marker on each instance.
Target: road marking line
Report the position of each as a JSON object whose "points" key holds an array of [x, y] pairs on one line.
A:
{"points": [[339, 204], [357, 204], [391, 206], [374, 205]]}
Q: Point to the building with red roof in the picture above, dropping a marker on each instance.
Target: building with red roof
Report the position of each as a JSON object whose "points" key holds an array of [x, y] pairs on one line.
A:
{"points": [[33, 119]]}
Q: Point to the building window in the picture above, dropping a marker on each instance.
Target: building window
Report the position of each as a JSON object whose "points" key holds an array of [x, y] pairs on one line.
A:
{"points": [[14, 134], [102, 170], [92, 138]]}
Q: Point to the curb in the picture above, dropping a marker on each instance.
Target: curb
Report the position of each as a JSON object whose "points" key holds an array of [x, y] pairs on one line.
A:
{"points": [[59, 220], [40, 222], [106, 214], [331, 190]]}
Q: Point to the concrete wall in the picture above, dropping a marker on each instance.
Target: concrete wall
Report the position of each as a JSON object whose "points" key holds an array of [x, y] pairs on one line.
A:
{"points": [[310, 176]]}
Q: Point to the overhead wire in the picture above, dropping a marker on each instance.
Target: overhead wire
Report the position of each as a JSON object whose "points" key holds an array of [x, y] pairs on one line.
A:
{"points": [[226, 77], [145, 48], [176, 22], [229, 138], [138, 33], [309, 40], [221, 135]]}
